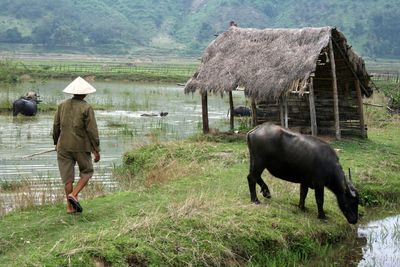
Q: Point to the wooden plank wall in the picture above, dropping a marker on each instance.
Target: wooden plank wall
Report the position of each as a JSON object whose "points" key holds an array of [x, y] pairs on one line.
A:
{"points": [[298, 106]]}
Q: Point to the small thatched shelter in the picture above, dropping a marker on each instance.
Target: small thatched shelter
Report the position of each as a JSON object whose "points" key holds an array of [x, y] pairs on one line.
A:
{"points": [[307, 78]]}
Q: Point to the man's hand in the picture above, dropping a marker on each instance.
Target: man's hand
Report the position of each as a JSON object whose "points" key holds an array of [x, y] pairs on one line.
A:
{"points": [[96, 156]]}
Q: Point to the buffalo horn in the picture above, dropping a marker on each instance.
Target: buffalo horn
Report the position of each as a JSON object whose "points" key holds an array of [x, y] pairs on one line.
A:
{"points": [[350, 186]]}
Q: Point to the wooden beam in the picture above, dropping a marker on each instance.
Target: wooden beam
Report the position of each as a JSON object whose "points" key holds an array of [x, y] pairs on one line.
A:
{"points": [[253, 112], [231, 109], [360, 108], [313, 116], [335, 91], [282, 114], [346, 61], [204, 109], [286, 112], [374, 105]]}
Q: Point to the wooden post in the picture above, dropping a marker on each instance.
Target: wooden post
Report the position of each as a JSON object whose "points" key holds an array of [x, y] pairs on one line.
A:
{"points": [[360, 109], [204, 108], [313, 116], [253, 112], [335, 91], [232, 118], [286, 112], [281, 112]]}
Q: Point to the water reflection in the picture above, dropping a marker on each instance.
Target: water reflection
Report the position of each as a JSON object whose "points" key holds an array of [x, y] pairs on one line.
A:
{"points": [[383, 242]]}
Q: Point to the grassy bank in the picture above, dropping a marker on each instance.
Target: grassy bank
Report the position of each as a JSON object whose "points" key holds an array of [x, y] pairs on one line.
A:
{"points": [[187, 203]]}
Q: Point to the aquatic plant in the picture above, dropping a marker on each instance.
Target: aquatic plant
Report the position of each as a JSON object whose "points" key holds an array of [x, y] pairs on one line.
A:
{"points": [[9, 72]]}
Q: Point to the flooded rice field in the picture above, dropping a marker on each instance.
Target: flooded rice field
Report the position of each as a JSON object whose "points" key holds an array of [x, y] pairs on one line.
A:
{"points": [[127, 115]]}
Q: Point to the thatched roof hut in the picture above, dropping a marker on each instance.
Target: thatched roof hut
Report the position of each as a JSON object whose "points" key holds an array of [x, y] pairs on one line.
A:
{"points": [[273, 64]]}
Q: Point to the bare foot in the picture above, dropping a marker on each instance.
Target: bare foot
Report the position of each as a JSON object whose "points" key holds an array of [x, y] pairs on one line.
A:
{"points": [[70, 209]]}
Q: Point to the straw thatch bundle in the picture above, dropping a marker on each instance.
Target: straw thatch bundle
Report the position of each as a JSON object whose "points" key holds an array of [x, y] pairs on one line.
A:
{"points": [[267, 62]]}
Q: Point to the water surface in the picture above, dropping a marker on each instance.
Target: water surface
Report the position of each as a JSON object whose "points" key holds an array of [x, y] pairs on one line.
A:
{"points": [[383, 243]]}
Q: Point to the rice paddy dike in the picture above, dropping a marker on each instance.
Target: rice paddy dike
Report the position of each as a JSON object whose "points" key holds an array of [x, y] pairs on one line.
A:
{"points": [[124, 69], [187, 203]]}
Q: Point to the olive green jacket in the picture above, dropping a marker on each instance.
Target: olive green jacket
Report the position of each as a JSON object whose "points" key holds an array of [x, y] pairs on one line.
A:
{"points": [[75, 127]]}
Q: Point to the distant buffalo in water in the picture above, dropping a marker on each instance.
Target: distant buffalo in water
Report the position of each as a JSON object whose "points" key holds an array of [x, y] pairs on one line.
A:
{"points": [[161, 114], [243, 111], [26, 105]]}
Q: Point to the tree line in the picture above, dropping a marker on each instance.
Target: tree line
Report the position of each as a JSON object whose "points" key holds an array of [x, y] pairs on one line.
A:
{"points": [[190, 24]]}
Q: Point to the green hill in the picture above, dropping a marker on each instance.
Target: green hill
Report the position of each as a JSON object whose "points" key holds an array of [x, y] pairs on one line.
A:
{"points": [[186, 26]]}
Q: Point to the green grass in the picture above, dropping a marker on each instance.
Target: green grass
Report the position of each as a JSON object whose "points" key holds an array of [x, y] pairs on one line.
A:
{"points": [[187, 203], [376, 164], [10, 186]]}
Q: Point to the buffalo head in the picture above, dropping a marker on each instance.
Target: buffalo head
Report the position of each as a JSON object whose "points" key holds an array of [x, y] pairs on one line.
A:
{"points": [[349, 203], [32, 96]]}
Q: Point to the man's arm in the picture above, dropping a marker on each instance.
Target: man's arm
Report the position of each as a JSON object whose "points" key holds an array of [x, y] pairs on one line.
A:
{"points": [[56, 126], [93, 133]]}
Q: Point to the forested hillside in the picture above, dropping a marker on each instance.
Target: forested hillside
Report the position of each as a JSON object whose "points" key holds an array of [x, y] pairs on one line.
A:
{"points": [[187, 26]]}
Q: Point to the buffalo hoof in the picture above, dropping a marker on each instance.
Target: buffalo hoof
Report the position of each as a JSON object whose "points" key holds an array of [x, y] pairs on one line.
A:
{"points": [[257, 202], [323, 218], [265, 193], [302, 208]]}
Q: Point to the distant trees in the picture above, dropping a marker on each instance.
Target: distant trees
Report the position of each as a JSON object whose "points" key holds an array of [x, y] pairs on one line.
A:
{"points": [[41, 33], [206, 32], [383, 37], [11, 36], [108, 24]]}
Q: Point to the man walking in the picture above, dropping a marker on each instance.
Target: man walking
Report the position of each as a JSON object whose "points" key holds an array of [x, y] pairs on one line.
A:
{"points": [[76, 136]]}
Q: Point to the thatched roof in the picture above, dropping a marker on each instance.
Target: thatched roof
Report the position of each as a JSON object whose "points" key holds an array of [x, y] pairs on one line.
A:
{"points": [[268, 62]]}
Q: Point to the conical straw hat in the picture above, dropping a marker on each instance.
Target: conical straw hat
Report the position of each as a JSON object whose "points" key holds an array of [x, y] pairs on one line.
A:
{"points": [[79, 87]]}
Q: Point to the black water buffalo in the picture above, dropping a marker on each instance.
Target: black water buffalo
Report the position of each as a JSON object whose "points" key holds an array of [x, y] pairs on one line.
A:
{"points": [[301, 159], [161, 114], [242, 111], [26, 105]]}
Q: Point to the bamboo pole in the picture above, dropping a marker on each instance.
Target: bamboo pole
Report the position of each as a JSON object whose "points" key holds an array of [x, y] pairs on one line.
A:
{"points": [[346, 60], [253, 112], [231, 108], [286, 112], [335, 91], [39, 153], [282, 116], [204, 108], [360, 109], [313, 116]]}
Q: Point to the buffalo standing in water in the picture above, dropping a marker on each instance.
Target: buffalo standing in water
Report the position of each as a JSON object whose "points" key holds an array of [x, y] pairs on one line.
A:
{"points": [[26, 105], [299, 159], [242, 111]]}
